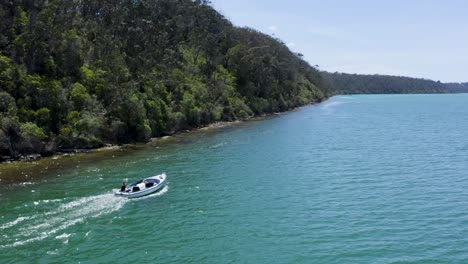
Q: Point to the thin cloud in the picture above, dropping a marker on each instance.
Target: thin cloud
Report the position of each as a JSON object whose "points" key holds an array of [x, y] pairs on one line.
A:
{"points": [[273, 28]]}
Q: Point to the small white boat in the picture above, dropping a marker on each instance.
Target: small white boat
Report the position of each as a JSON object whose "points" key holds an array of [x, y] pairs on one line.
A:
{"points": [[143, 187]]}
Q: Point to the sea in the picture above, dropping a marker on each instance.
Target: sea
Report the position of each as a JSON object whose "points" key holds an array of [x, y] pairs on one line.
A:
{"points": [[355, 179]]}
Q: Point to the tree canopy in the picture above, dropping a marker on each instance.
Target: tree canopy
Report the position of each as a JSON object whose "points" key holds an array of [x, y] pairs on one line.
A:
{"points": [[78, 74], [344, 83]]}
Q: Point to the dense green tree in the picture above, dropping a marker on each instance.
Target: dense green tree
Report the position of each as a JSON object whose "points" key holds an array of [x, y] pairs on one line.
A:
{"points": [[10, 135], [457, 87], [342, 83], [78, 74], [33, 138]]}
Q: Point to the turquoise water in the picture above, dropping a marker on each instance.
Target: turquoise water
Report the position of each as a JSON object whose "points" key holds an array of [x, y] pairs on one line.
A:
{"points": [[356, 179]]}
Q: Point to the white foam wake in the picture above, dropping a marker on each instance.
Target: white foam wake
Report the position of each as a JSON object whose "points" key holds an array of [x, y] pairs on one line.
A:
{"points": [[332, 104], [26, 229], [15, 222], [38, 226]]}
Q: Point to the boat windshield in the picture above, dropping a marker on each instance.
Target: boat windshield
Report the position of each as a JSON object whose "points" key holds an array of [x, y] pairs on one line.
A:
{"points": [[153, 181]]}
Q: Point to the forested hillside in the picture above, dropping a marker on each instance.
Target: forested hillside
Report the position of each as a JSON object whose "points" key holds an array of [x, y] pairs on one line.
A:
{"points": [[82, 73], [457, 87], [344, 83]]}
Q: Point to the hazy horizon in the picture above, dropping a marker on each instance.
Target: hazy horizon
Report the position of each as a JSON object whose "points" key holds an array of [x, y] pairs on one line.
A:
{"points": [[421, 39]]}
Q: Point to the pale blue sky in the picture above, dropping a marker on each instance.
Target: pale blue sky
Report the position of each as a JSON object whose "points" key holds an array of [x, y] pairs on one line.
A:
{"points": [[416, 38]]}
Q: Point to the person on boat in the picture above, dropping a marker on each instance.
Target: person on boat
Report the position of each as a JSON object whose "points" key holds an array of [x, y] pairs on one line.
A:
{"points": [[124, 186]]}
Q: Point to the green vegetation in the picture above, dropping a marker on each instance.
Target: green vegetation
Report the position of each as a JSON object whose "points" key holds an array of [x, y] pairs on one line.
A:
{"points": [[343, 83], [79, 74], [457, 87]]}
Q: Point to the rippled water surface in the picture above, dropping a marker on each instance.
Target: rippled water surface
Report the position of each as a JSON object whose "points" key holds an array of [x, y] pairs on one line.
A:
{"points": [[356, 179]]}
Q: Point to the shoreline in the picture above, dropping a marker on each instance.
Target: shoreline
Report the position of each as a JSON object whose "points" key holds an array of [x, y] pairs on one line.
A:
{"points": [[111, 147], [19, 172]]}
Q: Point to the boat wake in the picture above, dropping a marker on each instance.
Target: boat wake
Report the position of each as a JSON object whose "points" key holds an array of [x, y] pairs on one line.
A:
{"points": [[332, 104], [52, 223]]}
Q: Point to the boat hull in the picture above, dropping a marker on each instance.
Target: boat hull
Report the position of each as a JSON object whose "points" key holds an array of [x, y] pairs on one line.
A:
{"points": [[146, 191]]}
